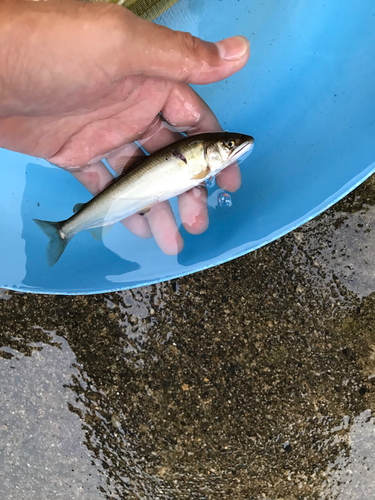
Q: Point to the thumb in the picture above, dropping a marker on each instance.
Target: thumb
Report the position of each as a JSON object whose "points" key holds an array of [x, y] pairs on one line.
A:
{"points": [[157, 51]]}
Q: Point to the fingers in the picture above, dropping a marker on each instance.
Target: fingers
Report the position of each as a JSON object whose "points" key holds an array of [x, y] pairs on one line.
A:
{"points": [[158, 136], [137, 225], [186, 110], [161, 218], [193, 210], [164, 228], [192, 204], [158, 51], [229, 178], [160, 221]]}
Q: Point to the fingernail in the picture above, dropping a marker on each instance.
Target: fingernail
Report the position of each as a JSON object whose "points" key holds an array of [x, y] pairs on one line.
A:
{"points": [[233, 48]]}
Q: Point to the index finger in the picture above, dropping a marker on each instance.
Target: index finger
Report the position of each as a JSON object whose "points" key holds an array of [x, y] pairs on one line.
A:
{"points": [[187, 111]]}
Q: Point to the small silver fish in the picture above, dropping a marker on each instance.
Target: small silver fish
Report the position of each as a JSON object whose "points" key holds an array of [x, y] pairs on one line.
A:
{"points": [[166, 173]]}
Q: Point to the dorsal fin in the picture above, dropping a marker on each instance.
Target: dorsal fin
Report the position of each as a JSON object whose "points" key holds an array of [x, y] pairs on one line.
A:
{"points": [[78, 207]]}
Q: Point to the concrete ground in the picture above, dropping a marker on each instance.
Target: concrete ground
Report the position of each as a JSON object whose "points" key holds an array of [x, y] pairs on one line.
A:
{"points": [[252, 380]]}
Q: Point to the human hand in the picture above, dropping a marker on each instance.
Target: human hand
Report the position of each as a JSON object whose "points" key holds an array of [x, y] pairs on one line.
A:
{"points": [[82, 81]]}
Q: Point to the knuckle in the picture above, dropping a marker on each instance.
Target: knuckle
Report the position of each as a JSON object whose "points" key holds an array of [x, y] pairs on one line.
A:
{"points": [[190, 46], [188, 42], [188, 49]]}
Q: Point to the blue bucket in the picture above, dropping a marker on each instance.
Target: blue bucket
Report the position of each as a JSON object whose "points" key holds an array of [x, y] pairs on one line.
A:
{"points": [[307, 96]]}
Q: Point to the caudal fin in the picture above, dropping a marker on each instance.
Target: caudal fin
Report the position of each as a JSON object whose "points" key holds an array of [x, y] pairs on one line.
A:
{"points": [[56, 244]]}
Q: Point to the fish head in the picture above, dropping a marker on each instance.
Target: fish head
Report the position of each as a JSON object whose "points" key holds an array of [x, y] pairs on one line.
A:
{"points": [[226, 148]]}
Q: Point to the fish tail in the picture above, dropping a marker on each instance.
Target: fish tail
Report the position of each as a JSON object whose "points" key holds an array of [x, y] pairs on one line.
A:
{"points": [[57, 239]]}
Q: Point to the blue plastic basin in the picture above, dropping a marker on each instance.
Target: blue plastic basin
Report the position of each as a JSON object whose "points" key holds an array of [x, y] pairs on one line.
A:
{"points": [[308, 98]]}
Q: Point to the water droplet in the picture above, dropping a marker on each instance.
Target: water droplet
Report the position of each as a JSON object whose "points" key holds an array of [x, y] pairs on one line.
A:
{"points": [[210, 182], [224, 200]]}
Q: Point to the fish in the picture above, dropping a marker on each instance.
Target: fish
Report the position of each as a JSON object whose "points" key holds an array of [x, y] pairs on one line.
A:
{"points": [[160, 176]]}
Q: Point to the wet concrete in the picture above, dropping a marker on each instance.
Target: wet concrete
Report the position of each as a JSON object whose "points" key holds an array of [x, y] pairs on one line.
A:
{"points": [[252, 380]]}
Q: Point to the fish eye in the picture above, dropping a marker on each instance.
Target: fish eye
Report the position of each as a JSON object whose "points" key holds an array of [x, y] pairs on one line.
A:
{"points": [[229, 144]]}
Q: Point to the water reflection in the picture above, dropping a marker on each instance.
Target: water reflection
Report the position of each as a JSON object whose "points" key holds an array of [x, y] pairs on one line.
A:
{"points": [[351, 475], [345, 247], [5, 294], [42, 448]]}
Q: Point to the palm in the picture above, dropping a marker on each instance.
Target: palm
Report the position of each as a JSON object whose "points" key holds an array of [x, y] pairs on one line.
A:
{"points": [[104, 121], [111, 121]]}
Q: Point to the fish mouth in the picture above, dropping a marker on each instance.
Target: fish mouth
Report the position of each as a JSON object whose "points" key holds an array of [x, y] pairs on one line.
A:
{"points": [[243, 148]]}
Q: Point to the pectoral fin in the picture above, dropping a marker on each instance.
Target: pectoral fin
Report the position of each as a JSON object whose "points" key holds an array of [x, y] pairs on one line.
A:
{"points": [[100, 232], [144, 211], [202, 174]]}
